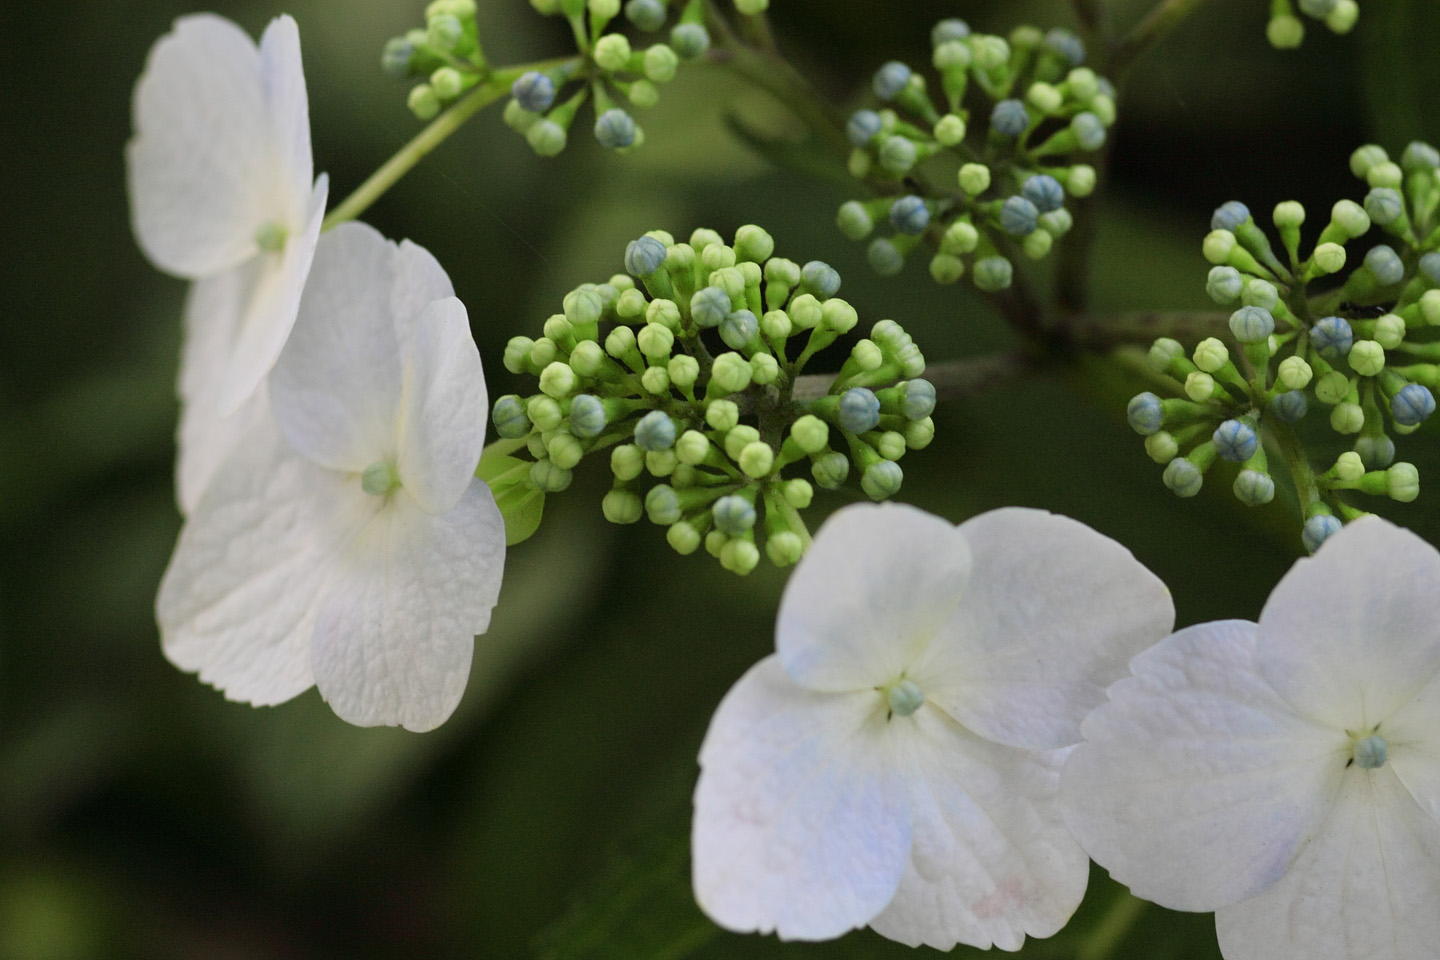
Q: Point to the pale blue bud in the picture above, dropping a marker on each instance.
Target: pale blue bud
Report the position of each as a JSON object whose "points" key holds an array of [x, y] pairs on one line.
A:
{"points": [[919, 400], [734, 515], [884, 257], [1067, 45], [587, 416], [1236, 441], [1290, 406], [1145, 414], [898, 154], [831, 470], [662, 506], [1018, 216], [1430, 266], [534, 91], [1419, 156], [1183, 478], [952, 28], [905, 698], [1089, 131], [890, 80], [739, 328], [1384, 205], [709, 306], [1229, 215], [1318, 529], [509, 417], [1371, 752], [1253, 488], [648, 15], [1412, 405], [655, 431], [1332, 337], [1252, 324], [909, 215], [615, 129], [859, 410], [993, 274], [690, 40], [862, 125], [1009, 118], [1044, 191], [820, 279], [1224, 285], [882, 479], [644, 256], [1385, 263], [396, 57]]}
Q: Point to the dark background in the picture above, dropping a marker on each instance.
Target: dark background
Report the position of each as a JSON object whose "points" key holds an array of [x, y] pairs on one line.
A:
{"points": [[142, 815]]}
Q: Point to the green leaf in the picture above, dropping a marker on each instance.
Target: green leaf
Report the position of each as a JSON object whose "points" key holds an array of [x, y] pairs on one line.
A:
{"points": [[521, 503]]}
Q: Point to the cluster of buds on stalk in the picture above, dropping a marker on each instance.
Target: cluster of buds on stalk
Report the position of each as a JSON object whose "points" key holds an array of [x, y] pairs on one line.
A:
{"points": [[1308, 333], [1286, 30], [983, 177], [689, 380], [445, 56]]}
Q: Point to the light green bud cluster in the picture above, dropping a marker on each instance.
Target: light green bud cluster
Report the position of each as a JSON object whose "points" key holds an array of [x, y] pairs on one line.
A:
{"points": [[1365, 346], [685, 372], [445, 56], [1286, 30], [984, 117]]}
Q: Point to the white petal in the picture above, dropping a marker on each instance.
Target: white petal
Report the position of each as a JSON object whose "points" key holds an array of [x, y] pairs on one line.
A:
{"points": [[800, 826], [201, 164], [273, 305], [289, 110], [204, 438], [1197, 785], [418, 280], [336, 387], [1413, 743], [1354, 632], [395, 636], [1366, 888], [1052, 614], [240, 598], [443, 408], [867, 597], [991, 860]]}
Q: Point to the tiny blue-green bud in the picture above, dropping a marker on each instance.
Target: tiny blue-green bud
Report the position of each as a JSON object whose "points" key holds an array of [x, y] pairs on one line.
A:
{"points": [[378, 479], [1057, 222], [1329, 257], [890, 80], [1385, 175], [396, 57], [1252, 324], [1260, 293], [1419, 156], [946, 268], [709, 306], [587, 416], [993, 274], [1332, 337], [1067, 45], [1044, 191], [776, 324], [1236, 441], [1370, 752], [810, 433], [739, 329], [1295, 373], [1229, 215], [805, 311], [1366, 157], [991, 53], [831, 470], [1163, 352], [1290, 406], [756, 459], [891, 445], [1402, 482], [951, 28], [583, 306], [565, 451], [1430, 306], [739, 556], [1183, 478], [444, 32], [557, 380], [648, 15], [974, 179], [734, 515], [1145, 414], [1009, 118], [622, 506], [655, 431], [753, 244], [919, 400], [862, 125], [662, 506], [731, 372], [629, 305], [1082, 180], [534, 91], [1412, 405], [1089, 131], [884, 257], [722, 415], [784, 548], [1332, 387], [549, 477], [1347, 418], [1367, 358], [882, 479], [764, 369], [898, 154], [644, 256], [660, 64], [854, 220], [904, 698], [509, 417], [627, 461], [1390, 331], [909, 215], [949, 129], [1349, 467], [1384, 205], [1385, 263], [423, 102], [546, 137], [1018, 216], [820, 279], [798, 493], [1253, 488], [859, 410], [738, 439], [1318, 529], [1319, 9], [615, 129], [690, 40], [1376, 452], [683, 538], [1350, 217], [1037, 244], [544, 412], [692, 447], [1288, 215], [1211, 355], [1162, 447]]}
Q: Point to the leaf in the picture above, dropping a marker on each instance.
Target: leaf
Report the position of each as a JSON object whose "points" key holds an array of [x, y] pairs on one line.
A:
{"points": [[521, 503]]}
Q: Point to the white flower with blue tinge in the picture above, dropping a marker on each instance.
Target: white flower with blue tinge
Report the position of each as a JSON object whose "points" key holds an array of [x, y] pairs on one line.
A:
{"points": [[1285, 774], [352, 548], [221, 192], [895, 763]]}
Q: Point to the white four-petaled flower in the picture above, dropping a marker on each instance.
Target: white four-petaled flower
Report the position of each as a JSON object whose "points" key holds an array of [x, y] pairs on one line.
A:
{"points": [[1285, 774], [896, 761], [220, 175], [357, 552]]}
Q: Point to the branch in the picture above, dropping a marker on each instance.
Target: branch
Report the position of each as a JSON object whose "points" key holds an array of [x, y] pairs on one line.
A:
{"points": [[1157, 23], [952, 380], [1094, 331]]}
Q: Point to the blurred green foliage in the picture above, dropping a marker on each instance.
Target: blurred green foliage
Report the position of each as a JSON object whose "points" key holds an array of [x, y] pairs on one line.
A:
{"points": [[141, 815]]}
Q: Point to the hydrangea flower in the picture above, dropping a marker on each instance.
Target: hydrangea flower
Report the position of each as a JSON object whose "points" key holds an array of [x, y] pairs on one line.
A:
{"points": [[1286, 773], [896, 761], [220, 176], [357, 552]]}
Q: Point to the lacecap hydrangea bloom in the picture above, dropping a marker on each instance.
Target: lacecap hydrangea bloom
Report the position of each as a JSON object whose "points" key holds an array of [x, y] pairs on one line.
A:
{"points": [[221, 192], [1286, 773], [352, 548], [896, 762]]}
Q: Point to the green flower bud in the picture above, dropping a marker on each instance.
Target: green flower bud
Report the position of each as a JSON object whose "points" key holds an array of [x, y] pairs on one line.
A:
{"points": [[831, 470], [1199, 386], [1253, 488], [424, 102], [558, 380], [1350, 217], [838, 315], [739, 438], [1367, 358], [1218, 246], [1044, 97], [1347, 418], [655, 341], [1162, 447], [661, 463], [1289, 215], [797, 493], [1082, 180], [974, 178], [946, 269], [784, 548], [950, 130], [565, 451], [776, 325], [919, 433], [753, 244], [1295, 373], [731, 373], [548, 477], [660, 63], [891, 445], [622, 506], [1430, 307], [882, 480], [655, 380], [662, 506], [739, 556], [810, 433], [1037, 244], [1403, 482], [612, 52], [722, 415], [546, 137], [756, 460], [993, 274], [1333, 387], [960, 237], [692, 447], [1183, 477], [1349, 467], [588, 359], [764, 369], [683, 538], [545, 413], [805, 311], [1329, 258], [684, 371], [1285, 32], [991, 53], [1163, 352], [1385, 174], [854, 220], [1211, 355], [627, 461]]}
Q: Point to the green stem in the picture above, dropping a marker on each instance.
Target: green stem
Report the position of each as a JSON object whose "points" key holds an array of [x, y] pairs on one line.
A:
{"points": [[1157, 23], [952, 380], [432, 136], [1306, 487], [1143, 327]]}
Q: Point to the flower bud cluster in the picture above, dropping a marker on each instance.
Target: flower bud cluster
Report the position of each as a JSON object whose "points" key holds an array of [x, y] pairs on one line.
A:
{"points": [[1286, 30], [1364, 348], [444, 55], [612, 69], [1016, 116], [684, 370]]}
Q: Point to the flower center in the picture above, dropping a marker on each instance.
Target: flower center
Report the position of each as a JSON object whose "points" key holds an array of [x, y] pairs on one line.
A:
{"points": [[271, 236], [1370, 752], [379, 479], [904, 697]]}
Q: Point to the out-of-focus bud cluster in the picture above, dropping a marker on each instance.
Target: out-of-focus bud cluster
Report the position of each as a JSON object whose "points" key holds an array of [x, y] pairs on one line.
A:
{"points": [[1364, 348], [687, 381], [612, 71], [1287, 31], [980, 168], [444, 55]]}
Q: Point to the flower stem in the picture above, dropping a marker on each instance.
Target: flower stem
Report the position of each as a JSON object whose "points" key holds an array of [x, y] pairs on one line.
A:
{"points": [[1163, 18], [1307, 490], [496, 86]]}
